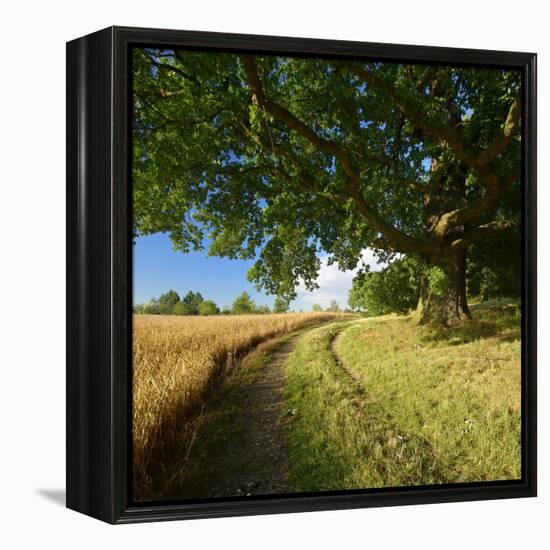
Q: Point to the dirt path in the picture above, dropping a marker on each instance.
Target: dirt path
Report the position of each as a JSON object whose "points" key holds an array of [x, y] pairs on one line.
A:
{"points": [[251, 459]]}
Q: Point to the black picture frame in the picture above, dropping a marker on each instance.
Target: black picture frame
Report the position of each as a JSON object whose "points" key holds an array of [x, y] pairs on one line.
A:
{"points": [[99, 277]]}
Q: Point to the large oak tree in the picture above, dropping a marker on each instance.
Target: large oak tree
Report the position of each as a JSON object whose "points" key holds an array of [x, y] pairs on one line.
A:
{"points": [[277, 159]]}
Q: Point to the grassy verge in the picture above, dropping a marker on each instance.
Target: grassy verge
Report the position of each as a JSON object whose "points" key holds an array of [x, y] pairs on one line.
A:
{"points": [[426, 406]]}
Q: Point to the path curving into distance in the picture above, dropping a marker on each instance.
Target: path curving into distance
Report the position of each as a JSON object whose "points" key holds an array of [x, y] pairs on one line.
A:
{"points": [[248, 454]]}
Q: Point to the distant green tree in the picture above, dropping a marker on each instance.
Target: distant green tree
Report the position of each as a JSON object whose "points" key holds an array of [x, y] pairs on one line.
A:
{"points": [[139, 308], [281, 304], [263, 309], [167, 302], [208, 307], [152, 308], [243, 304], [395, 289], [334, 307], [316, 307], [226, 310], [193, 301], [181, 308]]}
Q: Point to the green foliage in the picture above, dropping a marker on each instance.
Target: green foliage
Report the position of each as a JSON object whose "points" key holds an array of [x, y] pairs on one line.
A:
{"points": [[169, 298], [209, 160], [263, 310], [167, 302], [181, 308], [437, 280], [208, 307], [152, 308], [243, 304], [193, 301], [333, 307], [281, 305], [316, 307], [395, 289]]}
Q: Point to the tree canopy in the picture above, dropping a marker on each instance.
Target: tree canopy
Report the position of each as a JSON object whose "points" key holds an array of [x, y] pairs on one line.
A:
{"points": [[281, 305], [193, 301], [208, 307], [243, 304], [279, 158], [393, 289]]}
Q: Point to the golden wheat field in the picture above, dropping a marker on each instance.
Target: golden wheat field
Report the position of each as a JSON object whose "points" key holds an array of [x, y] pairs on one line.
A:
{"points": [[176, 358]]}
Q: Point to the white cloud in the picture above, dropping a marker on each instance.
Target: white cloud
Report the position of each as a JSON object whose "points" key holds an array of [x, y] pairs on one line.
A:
{"points": [[333, 283]]}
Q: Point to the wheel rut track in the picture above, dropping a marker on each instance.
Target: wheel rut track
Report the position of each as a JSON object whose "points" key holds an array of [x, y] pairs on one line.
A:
{"points": [[352, 376]]}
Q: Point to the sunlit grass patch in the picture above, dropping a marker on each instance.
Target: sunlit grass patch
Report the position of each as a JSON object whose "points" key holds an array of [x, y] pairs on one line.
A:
{"points": [[461, 389], [339, 437], [428, 407]]}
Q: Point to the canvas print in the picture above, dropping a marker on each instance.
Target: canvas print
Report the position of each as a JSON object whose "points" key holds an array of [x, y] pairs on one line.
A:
{"points": [[326, 274]]}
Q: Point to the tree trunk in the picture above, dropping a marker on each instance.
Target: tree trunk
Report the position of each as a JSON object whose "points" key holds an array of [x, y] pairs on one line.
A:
{"points": [[448, 304]]}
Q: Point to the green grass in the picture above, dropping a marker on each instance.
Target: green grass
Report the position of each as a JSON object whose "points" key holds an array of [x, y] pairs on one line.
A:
{"points": [[426, 406]]}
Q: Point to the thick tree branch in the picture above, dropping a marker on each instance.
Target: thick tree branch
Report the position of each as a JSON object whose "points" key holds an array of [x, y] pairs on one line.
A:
{"points": [[173, 69], [487, 231], [308, 183], [511, 127], [495, 188], [293, 122], [478, 160], [427, 77], [399, 240], [416, 186], [474, 158], [436, 129]]}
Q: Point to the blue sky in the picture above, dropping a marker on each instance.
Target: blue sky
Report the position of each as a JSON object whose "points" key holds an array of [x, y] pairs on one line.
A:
{"points": [[157, 269]]}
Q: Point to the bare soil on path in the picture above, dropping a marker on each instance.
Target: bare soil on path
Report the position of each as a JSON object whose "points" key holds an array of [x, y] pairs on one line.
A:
{"points": [[251, 457]]}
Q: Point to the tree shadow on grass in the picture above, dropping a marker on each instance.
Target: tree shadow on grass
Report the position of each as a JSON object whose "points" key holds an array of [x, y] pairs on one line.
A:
{"points": [[498, 322], [509, 337], [458, 334]]}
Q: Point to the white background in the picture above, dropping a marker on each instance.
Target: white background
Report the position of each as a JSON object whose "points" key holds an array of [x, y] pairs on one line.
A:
{"points": [[32, 272]]}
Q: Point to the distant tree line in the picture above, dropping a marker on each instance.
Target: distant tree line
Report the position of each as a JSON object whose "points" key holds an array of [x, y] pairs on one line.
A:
{"points": [[193, 303], [334, 307]]}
